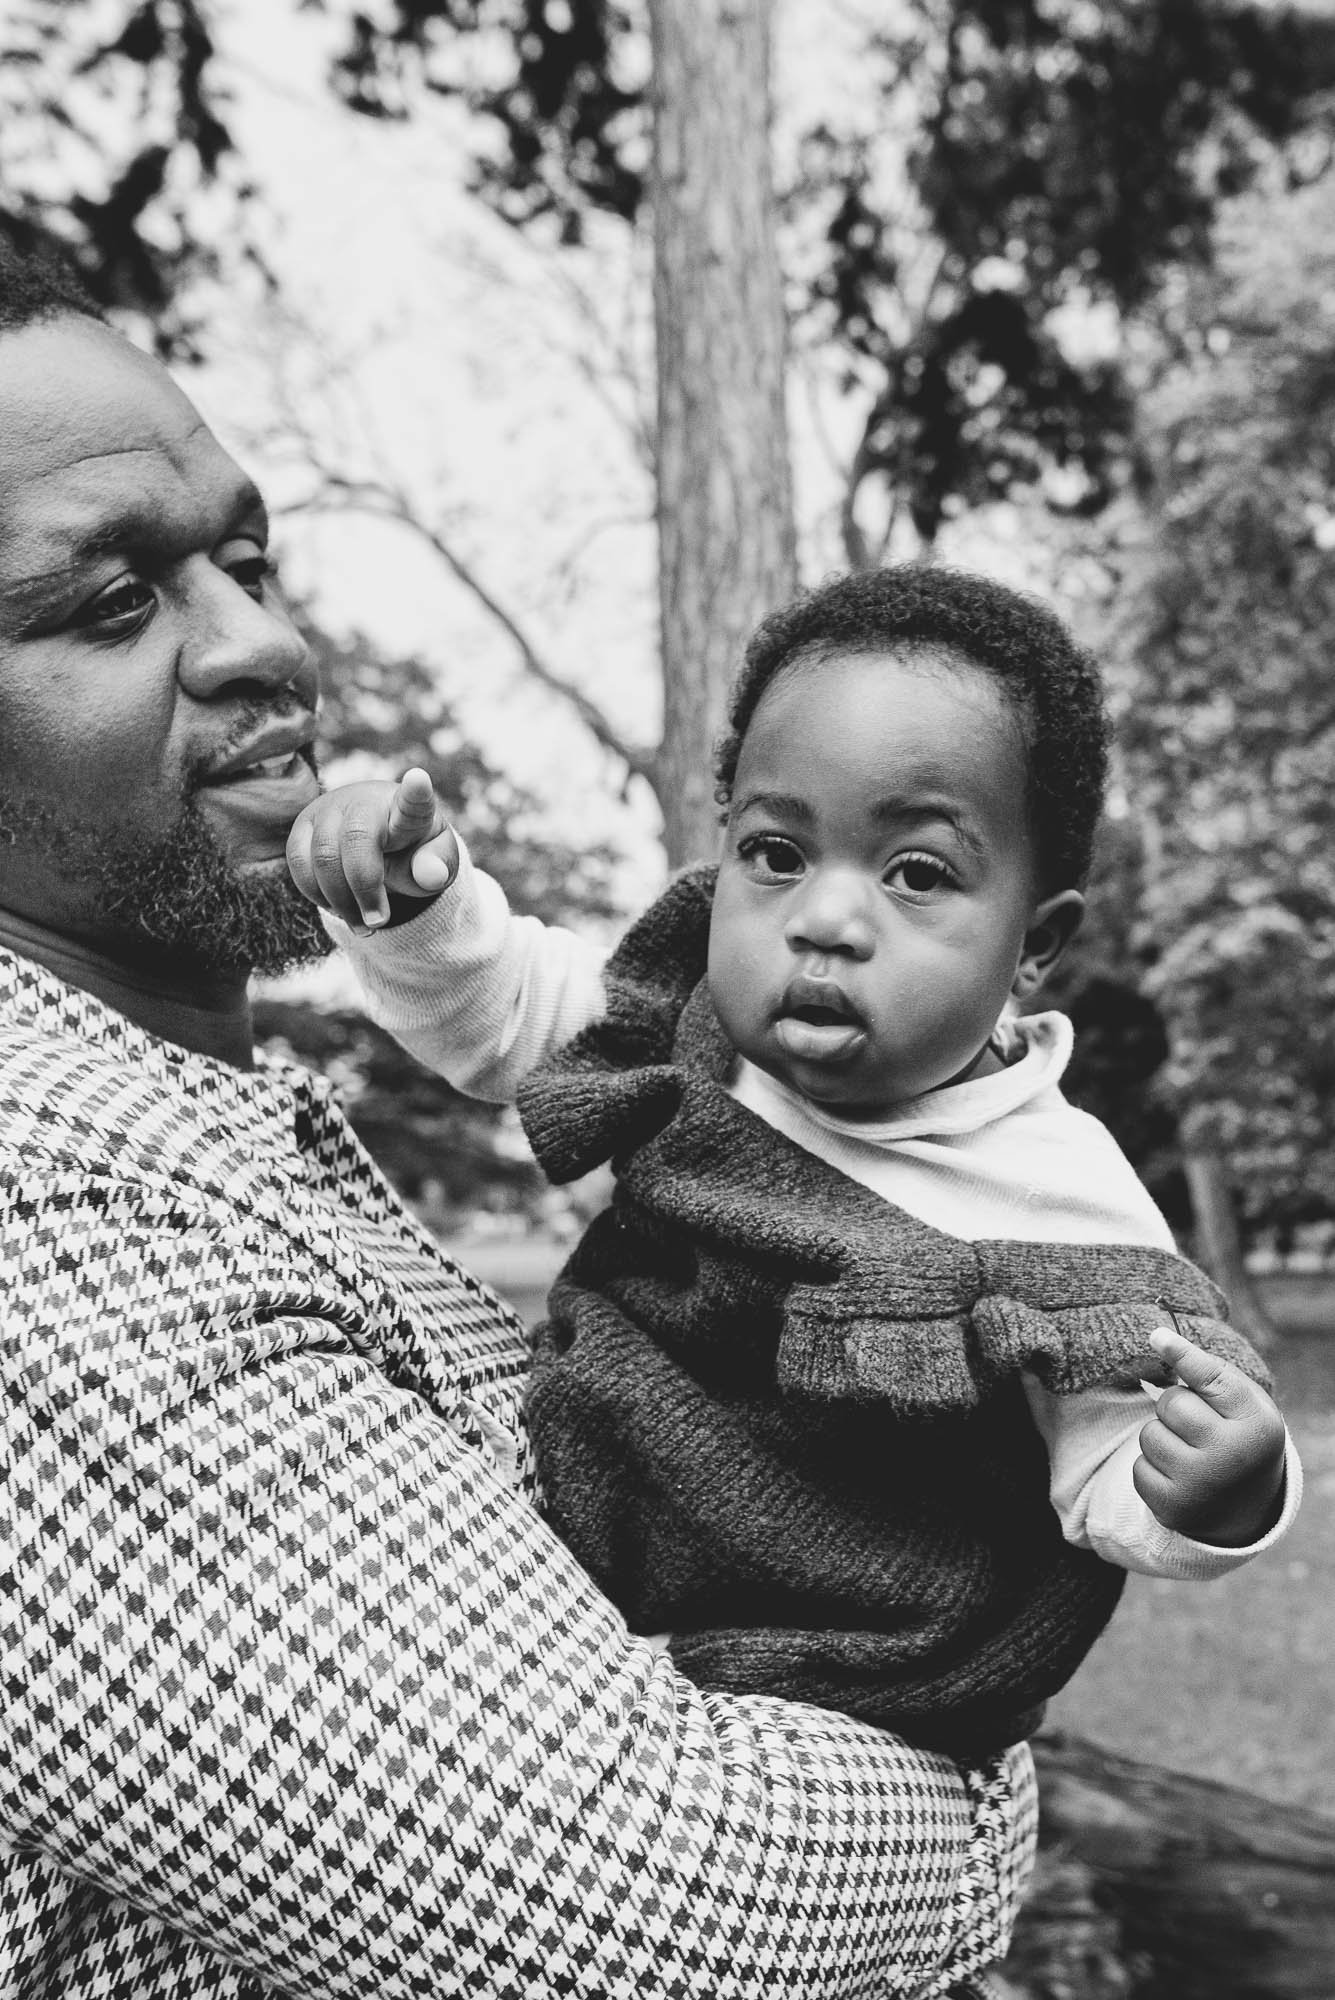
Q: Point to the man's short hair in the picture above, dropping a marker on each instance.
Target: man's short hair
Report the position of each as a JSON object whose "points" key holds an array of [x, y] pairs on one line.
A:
{"points": [[1052, 682], [37, 282]]}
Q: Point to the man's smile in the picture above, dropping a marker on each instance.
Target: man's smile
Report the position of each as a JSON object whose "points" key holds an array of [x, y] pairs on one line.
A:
{"points": [[259, 785]]}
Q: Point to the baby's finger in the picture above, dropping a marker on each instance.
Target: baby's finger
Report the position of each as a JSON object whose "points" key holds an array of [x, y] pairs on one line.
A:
{"points": [[348, 862], [436, 863], [299, 862], [1224, 1387], [1188, 1416], [1170, 1455], [1154, 1487], [413, 811]]}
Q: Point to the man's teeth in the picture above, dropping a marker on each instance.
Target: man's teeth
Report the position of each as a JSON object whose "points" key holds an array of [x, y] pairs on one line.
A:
{"points": [[269, 767]]}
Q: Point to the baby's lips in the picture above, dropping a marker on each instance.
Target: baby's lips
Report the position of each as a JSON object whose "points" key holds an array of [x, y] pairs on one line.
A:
{"points": [[813, 1041]]}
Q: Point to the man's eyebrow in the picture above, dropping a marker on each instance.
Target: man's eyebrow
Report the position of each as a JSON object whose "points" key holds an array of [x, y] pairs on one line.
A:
{"points": [[138, 520], [135, 522]]}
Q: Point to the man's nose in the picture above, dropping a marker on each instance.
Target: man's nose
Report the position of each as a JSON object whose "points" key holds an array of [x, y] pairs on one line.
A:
{"points": [[235, 640], [833, 913]]}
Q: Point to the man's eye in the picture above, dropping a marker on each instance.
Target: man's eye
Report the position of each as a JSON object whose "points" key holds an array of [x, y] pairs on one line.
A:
{"points": [[119, 609], [919, 874], [252, 572], [770, 857]]}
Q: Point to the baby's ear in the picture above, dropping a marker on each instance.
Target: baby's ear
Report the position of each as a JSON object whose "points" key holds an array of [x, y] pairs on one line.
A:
{"points": [[1053, 924]]}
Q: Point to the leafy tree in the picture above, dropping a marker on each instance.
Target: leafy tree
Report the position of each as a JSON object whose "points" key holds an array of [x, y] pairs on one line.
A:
{"points": [[1224, 608], [1024, 162], [1049, 154], [111, 127]]}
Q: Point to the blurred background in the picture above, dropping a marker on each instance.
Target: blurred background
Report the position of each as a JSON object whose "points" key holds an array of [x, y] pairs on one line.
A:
{"points": [[566, 336]]}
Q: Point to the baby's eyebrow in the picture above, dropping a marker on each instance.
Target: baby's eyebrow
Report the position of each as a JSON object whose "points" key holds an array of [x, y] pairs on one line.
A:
{"points": [[783, 805], [897, 812]]}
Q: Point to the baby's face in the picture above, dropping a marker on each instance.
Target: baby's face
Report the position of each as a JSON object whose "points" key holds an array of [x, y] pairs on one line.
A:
{"points": [[878, 878]]}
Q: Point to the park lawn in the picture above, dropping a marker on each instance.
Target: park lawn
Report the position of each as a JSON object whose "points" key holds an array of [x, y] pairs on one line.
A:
{"points": [[1233, 1680]]}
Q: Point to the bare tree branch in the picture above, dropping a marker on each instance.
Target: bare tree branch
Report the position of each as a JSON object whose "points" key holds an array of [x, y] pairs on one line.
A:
{"points": [[338, 494]]}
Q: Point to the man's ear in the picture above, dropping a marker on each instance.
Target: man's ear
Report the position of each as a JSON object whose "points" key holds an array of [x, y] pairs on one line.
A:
{"points": [[1051, 928]]}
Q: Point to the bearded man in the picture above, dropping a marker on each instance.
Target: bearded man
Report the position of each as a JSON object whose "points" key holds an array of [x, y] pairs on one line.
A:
{"points": [[301, 1695]]}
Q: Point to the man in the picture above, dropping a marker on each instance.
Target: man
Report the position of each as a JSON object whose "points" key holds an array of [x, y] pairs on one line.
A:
{"points": [[300, 1693]]}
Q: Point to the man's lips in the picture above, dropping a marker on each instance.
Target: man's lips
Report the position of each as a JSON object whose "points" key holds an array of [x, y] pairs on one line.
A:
{"points": [[267, 753], [260, 785], [816, 1022]]}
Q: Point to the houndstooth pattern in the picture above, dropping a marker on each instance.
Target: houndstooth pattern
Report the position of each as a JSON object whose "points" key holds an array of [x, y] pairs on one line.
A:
{"points": [[299, 1696]]}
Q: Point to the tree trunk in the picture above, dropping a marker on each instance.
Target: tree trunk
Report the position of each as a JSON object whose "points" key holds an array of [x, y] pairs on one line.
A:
{"points": [[725, 512], [1154, 1886], [1219, 1241]]}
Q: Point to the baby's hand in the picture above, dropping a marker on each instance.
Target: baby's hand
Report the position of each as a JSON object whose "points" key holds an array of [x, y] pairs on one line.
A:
{"points": [[355, 847], [1212, 1462]]}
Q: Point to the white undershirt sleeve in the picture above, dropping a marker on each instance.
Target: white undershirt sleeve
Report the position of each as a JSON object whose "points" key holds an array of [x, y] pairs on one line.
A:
{"points": [[476, 993]]}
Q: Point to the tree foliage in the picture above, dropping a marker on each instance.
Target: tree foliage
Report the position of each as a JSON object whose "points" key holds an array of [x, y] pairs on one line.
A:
{"points": [[1227, 709], [112, 124], [1053, 154]]}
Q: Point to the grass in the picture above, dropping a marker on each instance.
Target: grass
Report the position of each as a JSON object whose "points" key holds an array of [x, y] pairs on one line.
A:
{"points": [[1230, 1680]]}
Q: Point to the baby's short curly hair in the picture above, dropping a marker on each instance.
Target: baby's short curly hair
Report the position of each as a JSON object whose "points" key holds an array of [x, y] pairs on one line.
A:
{"points": [[916, 607]]}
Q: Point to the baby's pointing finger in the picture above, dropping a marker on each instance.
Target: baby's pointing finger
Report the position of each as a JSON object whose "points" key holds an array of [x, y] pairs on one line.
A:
{"points": [[412, 813]]}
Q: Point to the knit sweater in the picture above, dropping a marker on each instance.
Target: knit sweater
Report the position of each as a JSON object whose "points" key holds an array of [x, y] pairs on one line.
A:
{"points": [[782, 1419]]}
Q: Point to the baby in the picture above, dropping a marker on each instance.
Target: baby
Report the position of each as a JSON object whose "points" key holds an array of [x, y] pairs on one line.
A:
{"points": [[847, 1390]]}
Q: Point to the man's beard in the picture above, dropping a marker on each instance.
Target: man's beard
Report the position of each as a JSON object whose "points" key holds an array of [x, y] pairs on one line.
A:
{"points": [[178, 898]]}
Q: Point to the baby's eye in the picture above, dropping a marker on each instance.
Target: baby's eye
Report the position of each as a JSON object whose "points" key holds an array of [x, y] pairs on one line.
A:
{"points": [[118, 610], [771, 858], [919, 874]]}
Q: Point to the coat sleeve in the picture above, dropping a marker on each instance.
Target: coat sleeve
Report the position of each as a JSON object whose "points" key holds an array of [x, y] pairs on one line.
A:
{"points": [[290, 1667]]}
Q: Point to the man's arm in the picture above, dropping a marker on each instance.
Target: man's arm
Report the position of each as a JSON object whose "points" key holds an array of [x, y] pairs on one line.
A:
{"points": [[288, 1665]]}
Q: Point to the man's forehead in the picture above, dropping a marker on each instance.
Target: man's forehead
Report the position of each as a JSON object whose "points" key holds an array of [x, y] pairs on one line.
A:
{"points": [[97, 441]]}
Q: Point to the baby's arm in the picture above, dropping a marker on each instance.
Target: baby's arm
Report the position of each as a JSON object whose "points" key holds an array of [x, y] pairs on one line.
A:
{"points": [[473, 991], [1096, 1443]]}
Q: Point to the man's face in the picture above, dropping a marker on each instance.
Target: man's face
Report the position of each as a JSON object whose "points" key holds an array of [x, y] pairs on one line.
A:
{"points": [[156, 702]]}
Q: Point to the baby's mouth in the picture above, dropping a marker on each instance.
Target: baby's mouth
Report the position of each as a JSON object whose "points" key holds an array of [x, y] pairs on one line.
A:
{"points": [[817, 1024]]}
